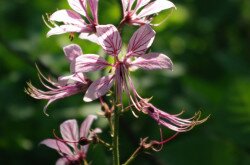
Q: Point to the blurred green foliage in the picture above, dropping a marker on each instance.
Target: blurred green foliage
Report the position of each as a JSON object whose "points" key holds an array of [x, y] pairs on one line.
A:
{"points": [[208, 41]]}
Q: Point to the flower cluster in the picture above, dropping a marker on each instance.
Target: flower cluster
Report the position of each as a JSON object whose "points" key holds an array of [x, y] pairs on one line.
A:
{"points": [[83, 20]]}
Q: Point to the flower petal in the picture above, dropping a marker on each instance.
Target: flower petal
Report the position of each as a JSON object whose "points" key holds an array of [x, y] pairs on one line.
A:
{"points": [[78, 6], [67, 17], [109, 38], [124, 5], [141, 41], [64, 29], [140, 4], [70, 132], [130, 4], [88, 63], [152, 61], [155, 7], [88, 36], [93, 4], [76, 77], [85, 126], [62, 161], [57, 145], [72, 51], [98, 88]]}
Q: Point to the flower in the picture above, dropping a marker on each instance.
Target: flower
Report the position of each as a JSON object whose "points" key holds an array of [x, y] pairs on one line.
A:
{"points": [[173, 122], [110, 40], [136, 57], [74, 145], [141, 11], [72, 19], [65, 86]]}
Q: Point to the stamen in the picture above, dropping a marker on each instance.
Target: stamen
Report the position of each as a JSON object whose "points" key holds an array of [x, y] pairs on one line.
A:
{"points": [[163, 142], [61, 140], [46, 22]]}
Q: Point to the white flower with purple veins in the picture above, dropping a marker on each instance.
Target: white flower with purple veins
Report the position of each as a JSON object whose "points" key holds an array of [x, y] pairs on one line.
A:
{"points": [[110, 40], [74, 144], [65, 86], [77, 20], [136, 57], [141, 11]]}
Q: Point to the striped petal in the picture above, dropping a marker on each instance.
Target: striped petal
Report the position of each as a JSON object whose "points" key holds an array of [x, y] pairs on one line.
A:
{"points": [[78, 6], [98, 88], [155, 7], [67, 17], [64, 29], [109, 38], [72, 51], [61, 147], [70, 132], [153, 61], [141, 41], [85, 126], [88, 63], [93, 4]]}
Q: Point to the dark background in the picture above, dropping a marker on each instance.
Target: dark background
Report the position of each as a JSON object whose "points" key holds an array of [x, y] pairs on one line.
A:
{"points": [[208, 42]]}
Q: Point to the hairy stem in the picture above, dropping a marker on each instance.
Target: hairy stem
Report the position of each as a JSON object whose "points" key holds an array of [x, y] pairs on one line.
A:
{"points": [[116, 154]]}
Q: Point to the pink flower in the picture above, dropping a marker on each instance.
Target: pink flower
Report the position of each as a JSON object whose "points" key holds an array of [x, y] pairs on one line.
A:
{"points": [[173, 122], [72, 19], [110, 40], [141, 11], [74, 145], [65, 86], [136, 57]]}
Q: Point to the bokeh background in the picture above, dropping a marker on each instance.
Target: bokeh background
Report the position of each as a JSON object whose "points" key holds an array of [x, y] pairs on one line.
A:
{"points": [[208, 41]]}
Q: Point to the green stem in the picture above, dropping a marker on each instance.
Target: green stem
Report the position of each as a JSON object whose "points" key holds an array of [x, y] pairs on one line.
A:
{"points": [[133, 156], [116, 154], [115, 142]]}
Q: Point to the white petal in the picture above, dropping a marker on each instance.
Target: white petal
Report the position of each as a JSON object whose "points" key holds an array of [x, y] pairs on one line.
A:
{"points": [[78, 5], [85, 126], [98, 88], [62, 161], [153, 61], [89, 63], [109, 38], [155, 7], [63, 29], [89, 36], [72, 51], [141, 40], [57, 145], [70, 132], [68, 17]]}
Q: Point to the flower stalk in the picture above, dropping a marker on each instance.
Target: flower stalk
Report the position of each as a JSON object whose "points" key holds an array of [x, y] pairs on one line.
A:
{"points": [[116, 152]]}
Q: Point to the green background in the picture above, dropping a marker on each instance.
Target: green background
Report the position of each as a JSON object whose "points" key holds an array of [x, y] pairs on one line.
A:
{"points": [[208, 42]]}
